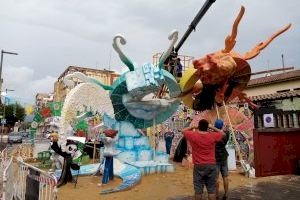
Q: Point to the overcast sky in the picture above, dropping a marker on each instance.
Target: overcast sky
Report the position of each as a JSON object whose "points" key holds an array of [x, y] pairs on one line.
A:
{"points": [[50, 35]]}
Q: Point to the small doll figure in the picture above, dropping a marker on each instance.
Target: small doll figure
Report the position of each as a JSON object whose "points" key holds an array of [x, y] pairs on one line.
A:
{"points": [[109, 139]]}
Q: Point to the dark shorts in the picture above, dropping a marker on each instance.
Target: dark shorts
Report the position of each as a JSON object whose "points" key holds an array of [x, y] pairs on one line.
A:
{"points": [[222, 167], [204, 175]]}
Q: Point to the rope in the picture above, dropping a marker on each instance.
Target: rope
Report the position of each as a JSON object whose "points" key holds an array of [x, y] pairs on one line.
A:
{"points": [[237, 146], [217, 109]]}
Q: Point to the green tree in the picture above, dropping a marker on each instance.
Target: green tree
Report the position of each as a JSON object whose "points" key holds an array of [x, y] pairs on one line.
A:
{"points": [[13, 113]]}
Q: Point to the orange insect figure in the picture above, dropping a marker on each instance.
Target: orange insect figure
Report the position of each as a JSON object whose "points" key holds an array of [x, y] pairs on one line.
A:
{"points": [[223, 74]]}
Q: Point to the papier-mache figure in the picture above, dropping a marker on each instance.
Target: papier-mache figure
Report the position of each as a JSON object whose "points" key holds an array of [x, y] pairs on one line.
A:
{"points": [[109, 138], [68, 154]]}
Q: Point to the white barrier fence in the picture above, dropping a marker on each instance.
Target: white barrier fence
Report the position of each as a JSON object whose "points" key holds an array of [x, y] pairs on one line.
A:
{"points": [[4, 154], [32, 182], [3, 160], [5, 167], [7, 181], [19, 180]]}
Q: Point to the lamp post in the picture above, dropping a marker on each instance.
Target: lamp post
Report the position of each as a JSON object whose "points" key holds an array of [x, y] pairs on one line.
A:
{"points": [[1, 62], [1, 81], [4, 120]]}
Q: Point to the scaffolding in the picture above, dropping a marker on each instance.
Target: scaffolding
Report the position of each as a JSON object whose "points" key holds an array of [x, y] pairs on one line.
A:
{"points": [[186, 61]]}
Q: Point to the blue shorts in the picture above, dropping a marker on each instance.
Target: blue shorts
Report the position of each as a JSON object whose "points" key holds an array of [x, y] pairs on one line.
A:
{"points": [[204, 175], [222, 167]]}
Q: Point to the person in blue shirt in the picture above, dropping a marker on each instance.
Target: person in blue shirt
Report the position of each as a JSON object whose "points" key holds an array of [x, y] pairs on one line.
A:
{"points": [[221, 155], [179, 68], [169, 135]]}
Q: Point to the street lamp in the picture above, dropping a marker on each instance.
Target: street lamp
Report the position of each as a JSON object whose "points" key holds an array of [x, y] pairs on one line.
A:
{"points": [[3, 121], [4, 52]]}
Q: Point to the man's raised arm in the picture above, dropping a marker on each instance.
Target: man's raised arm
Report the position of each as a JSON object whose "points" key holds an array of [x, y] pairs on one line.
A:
{"points": [[189, 128], [216, 129]]}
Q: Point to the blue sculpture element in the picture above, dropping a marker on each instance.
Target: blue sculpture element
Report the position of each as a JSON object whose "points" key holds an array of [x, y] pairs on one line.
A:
{"points": [[133, 93], [144, 80], [141, 110], [130, 175], [135, 148], [141, 82]]}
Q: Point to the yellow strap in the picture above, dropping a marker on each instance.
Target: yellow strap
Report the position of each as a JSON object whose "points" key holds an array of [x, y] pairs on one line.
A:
{"points": [[217, 109]]}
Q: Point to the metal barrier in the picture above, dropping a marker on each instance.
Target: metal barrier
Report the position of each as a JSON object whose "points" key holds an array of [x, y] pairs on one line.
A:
{"points": [[7, 187], [4, 154], [46, 182], [5, 167], [3, 160]]}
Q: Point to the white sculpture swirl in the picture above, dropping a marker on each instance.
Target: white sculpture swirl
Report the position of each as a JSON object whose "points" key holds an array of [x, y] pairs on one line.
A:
{"points": [[173, 37], [122, 56]]}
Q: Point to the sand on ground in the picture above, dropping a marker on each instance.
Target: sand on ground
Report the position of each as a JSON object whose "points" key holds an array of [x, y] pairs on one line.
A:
{"points": [[154, 186]]}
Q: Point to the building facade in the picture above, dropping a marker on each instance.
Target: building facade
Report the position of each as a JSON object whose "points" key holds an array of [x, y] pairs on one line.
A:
{"points": [[276, 135], [278, 91], [107, 77]]}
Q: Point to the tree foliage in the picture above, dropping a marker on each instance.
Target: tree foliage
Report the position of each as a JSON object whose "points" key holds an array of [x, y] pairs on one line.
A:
{"points": [[13, 113]]}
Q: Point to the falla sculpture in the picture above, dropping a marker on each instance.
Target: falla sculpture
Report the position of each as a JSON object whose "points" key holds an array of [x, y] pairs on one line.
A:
{"points": [[223, 75], [133, 93]]}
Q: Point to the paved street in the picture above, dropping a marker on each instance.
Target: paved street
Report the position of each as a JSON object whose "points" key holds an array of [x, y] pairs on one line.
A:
{"points": [[272, 188], [283, 187]]}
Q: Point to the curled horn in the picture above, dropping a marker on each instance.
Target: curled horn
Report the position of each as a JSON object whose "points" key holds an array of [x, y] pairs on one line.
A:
{"points": [[173, 37], [69, 82], [122, 56]]}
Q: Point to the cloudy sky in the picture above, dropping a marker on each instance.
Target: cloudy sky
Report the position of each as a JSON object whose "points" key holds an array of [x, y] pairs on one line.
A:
{"points": [[50, 35]]}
